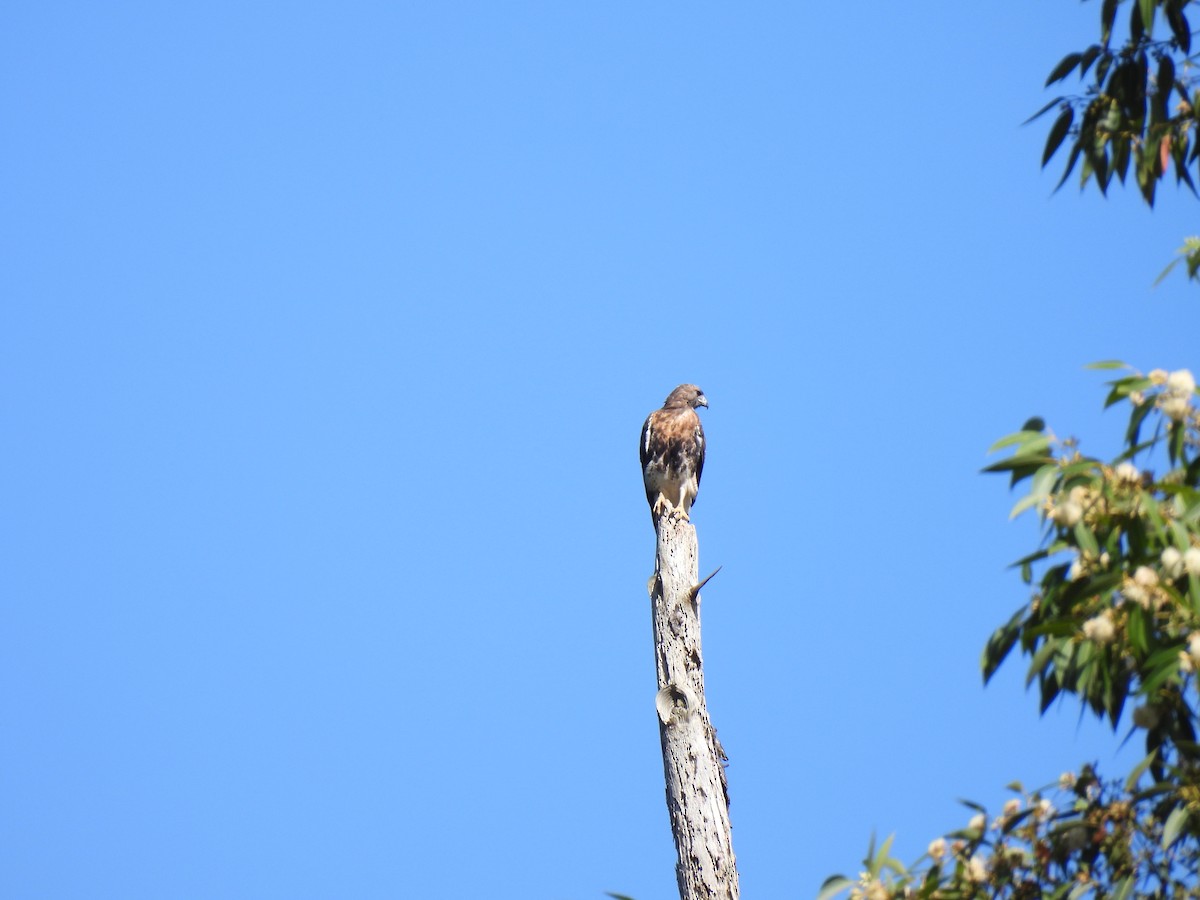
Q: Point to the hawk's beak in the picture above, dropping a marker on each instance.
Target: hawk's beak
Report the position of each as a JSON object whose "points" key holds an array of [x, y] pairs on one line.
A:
{"points": [[702, 401]]}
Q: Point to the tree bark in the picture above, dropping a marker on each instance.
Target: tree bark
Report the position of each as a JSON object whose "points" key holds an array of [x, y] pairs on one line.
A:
{"points": [[697, 797]]}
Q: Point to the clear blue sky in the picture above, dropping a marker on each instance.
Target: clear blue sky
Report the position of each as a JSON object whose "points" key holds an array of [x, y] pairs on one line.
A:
{"points": [[327, 331]]}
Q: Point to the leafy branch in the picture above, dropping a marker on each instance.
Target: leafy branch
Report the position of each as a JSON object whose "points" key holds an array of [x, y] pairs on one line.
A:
{"points": [[1114, 620]]}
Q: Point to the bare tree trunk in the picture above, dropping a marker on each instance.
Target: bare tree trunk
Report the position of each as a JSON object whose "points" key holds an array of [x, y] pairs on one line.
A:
{"points": [[697, 798]]}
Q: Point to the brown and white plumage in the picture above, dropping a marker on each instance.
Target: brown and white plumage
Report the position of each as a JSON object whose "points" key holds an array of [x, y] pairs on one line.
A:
{"points": [[672, 452]]}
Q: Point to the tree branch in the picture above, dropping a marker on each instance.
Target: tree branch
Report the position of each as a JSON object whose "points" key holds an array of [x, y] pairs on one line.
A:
{"points": [[697, 795]]}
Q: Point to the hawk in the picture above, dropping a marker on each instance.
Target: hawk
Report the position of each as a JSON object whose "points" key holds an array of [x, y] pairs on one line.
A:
{"points": [[672, 451]]}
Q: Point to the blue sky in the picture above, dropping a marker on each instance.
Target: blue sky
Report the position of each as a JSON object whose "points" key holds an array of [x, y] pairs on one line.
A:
{"points": [[326, 337]]}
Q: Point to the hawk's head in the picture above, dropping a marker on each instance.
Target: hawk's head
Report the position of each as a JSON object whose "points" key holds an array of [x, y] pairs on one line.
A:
{"points": [[684, 396]]}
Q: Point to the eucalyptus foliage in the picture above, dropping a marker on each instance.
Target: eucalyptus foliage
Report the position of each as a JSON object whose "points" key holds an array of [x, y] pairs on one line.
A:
{"points": [[1138, 109], [1140, 105], [1113, 620]]}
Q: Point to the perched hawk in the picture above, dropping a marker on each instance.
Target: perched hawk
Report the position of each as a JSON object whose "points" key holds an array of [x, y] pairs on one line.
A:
{"points": [[672, 453]]}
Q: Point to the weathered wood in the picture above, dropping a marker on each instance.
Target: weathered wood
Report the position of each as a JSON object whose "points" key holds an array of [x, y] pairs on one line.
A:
{"points": [[697, 797]]}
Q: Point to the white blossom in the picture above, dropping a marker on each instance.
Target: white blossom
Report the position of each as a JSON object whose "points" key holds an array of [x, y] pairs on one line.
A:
{"points": [[1012, 807], [1194, 645], [1177, 396], [1186, 664], [977, 822], [1066, 781], [1191, 560], [1172, 562], [869, 888], [1135, 593], [1044, 808], [1145, 577], [1138, 588], [1158, 376], [937, 849], [1176, 408], [1180, 383], [1128, 473], [1100, 628], [977, 869], [1067, 513]]}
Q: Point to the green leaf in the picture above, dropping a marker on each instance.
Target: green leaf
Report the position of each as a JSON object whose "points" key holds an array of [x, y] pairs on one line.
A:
{"points": [[1135, 420], [1049, 688], [835, 884], [884, 860], [1155, 790], [1107, 364], [1085, 466], [1180, 28], [1041, 659], [1135, 450], [1056, 547], [1043, 481], [1034, 446], [1058, 132], [1136, 629], [1017, 437], [1022, 463], [1193, 472], [1071, 160], [1136, 775], [1064, 68], [1123, 387], [1086, 540], [1045, 109], [1023, 504], [1148, 8], [1180, 536], [1121, 158], [999, 645], [1123, 889], [1174, 824], [1012, 822], [1164, 84], [1098, 160], [1160, 667], [1056, 628], [1108, 13], [1167, 271], [1178, 151], [1175, 442]]}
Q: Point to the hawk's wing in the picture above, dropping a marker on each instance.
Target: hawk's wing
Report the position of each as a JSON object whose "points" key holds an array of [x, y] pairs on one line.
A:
{"points": [[645, 453]]}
